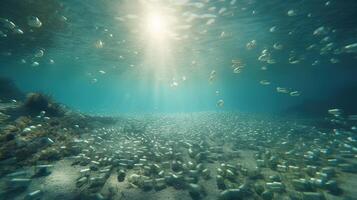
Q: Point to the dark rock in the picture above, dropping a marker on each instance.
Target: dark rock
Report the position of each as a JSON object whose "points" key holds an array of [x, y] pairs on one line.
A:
{"points": [[259, 188], [312, 196], [332, 186], [10, 136], [231, 194], [195, 191], [121, 175], [267, 195], [220, 182]]}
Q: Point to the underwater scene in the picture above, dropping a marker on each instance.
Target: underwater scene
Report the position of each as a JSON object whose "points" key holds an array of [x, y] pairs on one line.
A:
{"points": [[178, 99]]}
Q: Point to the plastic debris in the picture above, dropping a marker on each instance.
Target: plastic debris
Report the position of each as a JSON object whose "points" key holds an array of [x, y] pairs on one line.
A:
{"points": [[99, 44], [291, 13], [220, 103], [34, 22], [264, 82]]}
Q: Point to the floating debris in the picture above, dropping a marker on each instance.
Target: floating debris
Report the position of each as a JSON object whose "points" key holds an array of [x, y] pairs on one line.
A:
{"points": [[210, 21], [335, 112], [351, 48], [293, 60], [282, 90], [37, 194], [237, 70], [251, 45], [99, 44], [320, 31], [212, 76], [18, 31], [48, 150], [334, 60], [39, 53], [7, 23], [291, 13], [264, 82], [295, 93], [174, 84], [220, 103], [34, 22], [278, 46], [272, 29], [35, 64]]}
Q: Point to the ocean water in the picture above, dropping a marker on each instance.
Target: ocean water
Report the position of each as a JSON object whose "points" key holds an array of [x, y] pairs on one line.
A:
{"points": [[178, 99]]}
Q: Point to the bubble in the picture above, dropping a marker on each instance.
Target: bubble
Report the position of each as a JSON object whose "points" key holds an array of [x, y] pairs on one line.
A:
{"points": [[102, 72], [217, 92], [220, 103], [52, 61], [34, 22]]}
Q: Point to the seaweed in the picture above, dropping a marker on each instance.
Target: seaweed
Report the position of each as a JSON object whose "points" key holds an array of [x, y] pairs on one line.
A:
{"points": [[37, 102]]}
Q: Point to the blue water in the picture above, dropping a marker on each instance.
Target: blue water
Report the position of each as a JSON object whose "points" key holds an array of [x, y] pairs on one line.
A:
{"points": [[141, 68]]}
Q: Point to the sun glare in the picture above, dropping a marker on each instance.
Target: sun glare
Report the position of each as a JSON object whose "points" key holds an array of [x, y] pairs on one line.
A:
{"points": [[156, 25]]}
